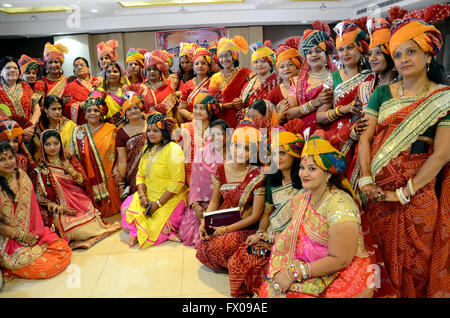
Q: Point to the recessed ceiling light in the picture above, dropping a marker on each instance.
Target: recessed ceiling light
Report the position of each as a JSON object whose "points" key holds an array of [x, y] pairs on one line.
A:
{"points": [[7, 5], [94, 10]]}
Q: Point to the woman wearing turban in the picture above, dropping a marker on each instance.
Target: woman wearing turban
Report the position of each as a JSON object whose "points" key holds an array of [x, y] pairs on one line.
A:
{"points": [[135, 65], [154, 212], [29, 69], [186, 65], [227, 84], [106, 53], [403, 157]]}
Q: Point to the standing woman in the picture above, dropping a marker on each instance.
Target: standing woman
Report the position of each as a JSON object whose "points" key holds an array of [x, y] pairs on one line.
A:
{"points": [[153, 214], [28, 249], [131, 140], [310, 93], [94, 145], [259, 87], [202, 69], [246, 269], [106, 53], [63, 189], [237, 183], [18, 96], [78, 90], [289, 62], [227, 84], [186, 65], [403, 156], [135, 65], [53, 82], [30, 69]]}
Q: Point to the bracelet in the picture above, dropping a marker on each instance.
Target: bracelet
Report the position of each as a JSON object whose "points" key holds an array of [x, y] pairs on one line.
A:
{"points": [[337, 111], [21, 236], [159, 203], [290, 275], [222, 230], [401, 196], [193, 205], [353, 135], [141, 195], [363, 181], [308, 267], [410, 187], [294, 273], [304, 270], [330, 115]]}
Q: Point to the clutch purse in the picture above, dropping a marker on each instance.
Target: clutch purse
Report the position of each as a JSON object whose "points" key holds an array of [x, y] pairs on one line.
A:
{"points": [[221, 218]]}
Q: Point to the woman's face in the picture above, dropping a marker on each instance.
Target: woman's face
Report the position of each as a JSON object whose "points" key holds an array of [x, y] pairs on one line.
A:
{"points": [[154, 134], [52, 147], [7, 163], [15, 143], [133, 68], [53, 66], [316, 57], [241, 153], [312, 176], [185, 64], [153, 74], [377, 60], [349, 55], [254, 113], [226, 60], [200, 112], [113, 75], [10, 72], [201, 67], [218, 138], [134, 112], [54, 112], [93, 115], [261, 67], [30, 76], [104, 60], [80, 68], [284, 159], [410, 60], [287, 69]]}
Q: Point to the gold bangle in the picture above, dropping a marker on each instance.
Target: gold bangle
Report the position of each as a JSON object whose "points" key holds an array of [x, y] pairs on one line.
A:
{"points": [[337, 111], [410, 187]]}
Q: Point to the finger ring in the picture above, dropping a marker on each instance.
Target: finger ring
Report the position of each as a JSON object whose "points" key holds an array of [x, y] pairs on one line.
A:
{"points": [[276, 287]]}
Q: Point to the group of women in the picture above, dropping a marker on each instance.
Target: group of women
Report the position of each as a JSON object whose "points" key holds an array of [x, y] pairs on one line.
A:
{"points": [[358, 202]]}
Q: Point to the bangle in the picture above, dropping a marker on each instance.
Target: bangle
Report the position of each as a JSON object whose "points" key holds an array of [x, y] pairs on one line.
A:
{"points": [[410, 187], [304, 271], [308, 267], [159, 203], [337, 111], [21, 236], [141, 195], [401, 196], [330, 115], [363, 181], [291, 276], [294, 273]]}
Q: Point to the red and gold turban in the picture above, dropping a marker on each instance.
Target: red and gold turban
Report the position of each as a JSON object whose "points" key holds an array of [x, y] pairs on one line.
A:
{"points": [[263, 51], [28, 63], [348, 32], [427, 37], [156, 58], [234, 46], [10, 129], [199, 52], [56, 51], [379, 35], [208, 101], [108, 48], [188, 50]]}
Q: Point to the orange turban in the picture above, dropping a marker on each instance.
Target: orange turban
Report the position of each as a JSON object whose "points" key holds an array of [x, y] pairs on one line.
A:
{"points": [[108, 48], [427, 37], [246, 131], [348, 33], [380, 35], [289, 50], [199, 52], [131, 98], [10, 129], [234, 46], [56, 51]]}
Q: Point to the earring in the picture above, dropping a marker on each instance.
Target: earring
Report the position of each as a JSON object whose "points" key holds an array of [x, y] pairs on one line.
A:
{"points": [[428, 67], [361, 61]]}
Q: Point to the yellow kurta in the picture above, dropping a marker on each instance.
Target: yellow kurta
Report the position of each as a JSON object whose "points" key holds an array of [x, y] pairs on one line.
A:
{"points": [[160, 172]]}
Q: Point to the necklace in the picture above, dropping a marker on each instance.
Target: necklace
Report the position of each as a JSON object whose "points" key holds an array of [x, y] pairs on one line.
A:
{"points": [[238, 175], [134, 130], [315, 203], [154, 86], [11, 177], [319, 76], [418, 94]]}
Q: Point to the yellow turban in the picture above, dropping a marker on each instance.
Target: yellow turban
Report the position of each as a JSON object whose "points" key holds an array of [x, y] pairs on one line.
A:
{"points": [[234, 45], [56, 51], [246, 131], [263, 50]]}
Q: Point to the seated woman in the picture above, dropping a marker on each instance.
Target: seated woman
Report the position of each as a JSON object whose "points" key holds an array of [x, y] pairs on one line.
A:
{"points": [[52, 118], [63, 189], [94, 144], [205, 161], [237, 183], [28, 249], [154, 212], [263, 108], [131, 139], [248, 265], [321, 253]]}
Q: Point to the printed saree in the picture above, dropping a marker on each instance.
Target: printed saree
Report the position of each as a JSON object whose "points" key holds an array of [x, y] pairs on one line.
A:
{"points": [[46, 87], [20, 101], [190, 91], [78, 92], [164, 96]]}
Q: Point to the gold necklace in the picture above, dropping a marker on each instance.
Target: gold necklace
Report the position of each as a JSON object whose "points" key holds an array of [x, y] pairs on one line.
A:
{"points": [[11, 177], [238, 175], [319, 76], [418, 94], [315, 203]]}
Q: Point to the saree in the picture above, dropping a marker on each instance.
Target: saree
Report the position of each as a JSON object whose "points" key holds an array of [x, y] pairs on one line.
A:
{"points": [[84, 229], [226, 89], [48, 257], [96, 151], [200, 190], [114, 103], [413, 238], [216, 252], [46, 87], [78, 93], [190, 91], [134, 147], [20, 101], [246, 270], [305, 239], [164, 96], [160, 171]]}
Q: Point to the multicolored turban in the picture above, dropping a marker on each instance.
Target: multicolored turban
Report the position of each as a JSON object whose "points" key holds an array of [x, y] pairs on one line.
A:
{"points": [[199, 52], [292, 142], [156, 58], [55, 51], [311, 38], [165, 56], [379, 34], [246, 131], [427, 37], [99, 102], [131, 98], [289, 50], [188, 50], [263, 51], [162, 122], [348, 32], [208, 101], [108, 48], [234, 46], [27, 63], [213, 49], [136, 55], [10, 129]]}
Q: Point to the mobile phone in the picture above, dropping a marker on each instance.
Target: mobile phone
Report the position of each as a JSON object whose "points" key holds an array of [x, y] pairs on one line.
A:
{"points": [[147, 211], [356, 117]]}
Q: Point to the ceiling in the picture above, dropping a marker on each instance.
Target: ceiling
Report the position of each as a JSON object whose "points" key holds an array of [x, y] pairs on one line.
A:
{"points": [[107, 16]]}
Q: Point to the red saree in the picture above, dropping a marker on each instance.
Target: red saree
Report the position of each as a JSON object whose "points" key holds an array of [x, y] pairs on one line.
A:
{"points": [[190, 91], [163, 96], [20, 101], [216, 252], [78, 93], [46, 87]]}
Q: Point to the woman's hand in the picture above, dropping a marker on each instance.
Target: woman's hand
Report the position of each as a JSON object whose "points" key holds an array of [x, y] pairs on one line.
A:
{"points": [[68, 167], [325, 97], [202, 231], [252, 240], [154, 207], [373, 192], [30, 239], [69, 211], [28, 133], [68, 153], [282, 107], [144, 201], [283, 280], [391, 196], [237, 103], [198, 211], [361, 125]]}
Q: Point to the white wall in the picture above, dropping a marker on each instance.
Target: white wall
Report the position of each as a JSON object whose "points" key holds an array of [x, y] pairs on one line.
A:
{"points": [[78, 45]]}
